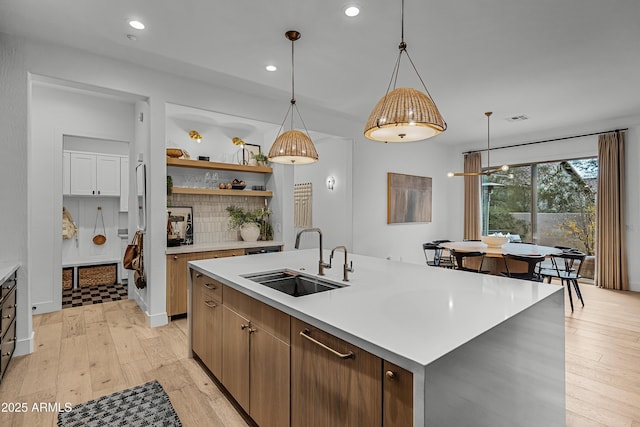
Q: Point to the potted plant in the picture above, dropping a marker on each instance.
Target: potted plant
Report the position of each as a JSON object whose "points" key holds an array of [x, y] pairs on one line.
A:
{"points": [[260, 158], [247, 221]]}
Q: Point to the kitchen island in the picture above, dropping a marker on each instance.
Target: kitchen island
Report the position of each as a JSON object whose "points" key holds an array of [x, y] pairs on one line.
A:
{"points": [[482, 350]]}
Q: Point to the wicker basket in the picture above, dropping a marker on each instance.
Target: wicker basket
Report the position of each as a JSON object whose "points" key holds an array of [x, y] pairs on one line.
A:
{"points": [[67, 278], [97, 275]]}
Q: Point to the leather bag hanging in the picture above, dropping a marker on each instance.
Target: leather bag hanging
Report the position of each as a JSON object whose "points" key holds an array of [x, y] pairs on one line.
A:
{"points": [[99, 239], [132, 252]]}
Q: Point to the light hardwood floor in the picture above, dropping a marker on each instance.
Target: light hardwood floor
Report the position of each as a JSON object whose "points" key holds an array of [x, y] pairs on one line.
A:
{"points": [[86, 352], [83, 353]]}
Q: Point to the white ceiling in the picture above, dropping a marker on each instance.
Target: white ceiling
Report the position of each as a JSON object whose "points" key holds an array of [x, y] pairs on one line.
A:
{"points": [[566, 64]]}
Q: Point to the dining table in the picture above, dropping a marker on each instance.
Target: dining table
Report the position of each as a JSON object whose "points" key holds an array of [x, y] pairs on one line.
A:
{"points": [[494, 261]]}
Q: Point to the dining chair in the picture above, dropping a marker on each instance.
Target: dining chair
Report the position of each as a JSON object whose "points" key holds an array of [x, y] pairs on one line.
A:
{"points": [[461, 264], [438, 256], [531, 263], [566, 267]]}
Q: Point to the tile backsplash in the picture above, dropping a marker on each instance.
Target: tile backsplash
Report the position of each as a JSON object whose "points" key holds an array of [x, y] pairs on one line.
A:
{"points": [[210, 218]]}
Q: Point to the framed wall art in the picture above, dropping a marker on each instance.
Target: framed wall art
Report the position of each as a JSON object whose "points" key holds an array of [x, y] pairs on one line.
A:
{"points": [[408, 198]]}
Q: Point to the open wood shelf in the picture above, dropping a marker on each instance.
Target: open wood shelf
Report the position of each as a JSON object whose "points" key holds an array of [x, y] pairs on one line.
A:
{"points": [[202, 164], [217, 192]]}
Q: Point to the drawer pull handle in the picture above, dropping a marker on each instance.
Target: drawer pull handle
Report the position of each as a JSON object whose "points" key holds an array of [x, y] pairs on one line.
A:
{"points": [[243, 327], [210, 304], [305, 334], [391, 375], [7, 354], [8, 316], [198, 275], [210, 286], [252, 330]]}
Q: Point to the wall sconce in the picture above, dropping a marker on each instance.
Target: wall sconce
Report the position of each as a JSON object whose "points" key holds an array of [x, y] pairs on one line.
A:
{"points": [[195, 135], [331, 181]]}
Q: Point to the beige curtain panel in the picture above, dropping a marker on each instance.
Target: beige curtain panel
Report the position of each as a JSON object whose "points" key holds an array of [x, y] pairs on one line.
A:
{"points": [[472, 200], [611, 251]]}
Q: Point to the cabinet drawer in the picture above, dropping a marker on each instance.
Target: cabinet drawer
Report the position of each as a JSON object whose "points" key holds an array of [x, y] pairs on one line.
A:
{"points": [[7, 347], [7, 311], [6, 287], [221, 254], [212, 288]]}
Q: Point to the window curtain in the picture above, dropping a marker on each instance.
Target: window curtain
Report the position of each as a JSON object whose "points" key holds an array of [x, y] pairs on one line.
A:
{"points": [[472, 201], [611, 250]]}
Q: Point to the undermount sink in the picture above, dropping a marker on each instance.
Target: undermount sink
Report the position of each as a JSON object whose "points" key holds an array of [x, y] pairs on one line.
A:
{"points": [[292, 283]]}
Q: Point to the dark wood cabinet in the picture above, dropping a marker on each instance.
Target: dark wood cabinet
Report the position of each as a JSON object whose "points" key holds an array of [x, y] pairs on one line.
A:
{"points": [[332, 382], [8, 300]]}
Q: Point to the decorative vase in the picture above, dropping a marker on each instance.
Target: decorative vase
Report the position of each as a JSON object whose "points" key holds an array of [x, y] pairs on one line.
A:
{"points": [[250, 231]]}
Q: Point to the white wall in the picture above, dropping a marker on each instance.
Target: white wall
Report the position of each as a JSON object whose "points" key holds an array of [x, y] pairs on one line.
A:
{"points": [[372, 161], [160, 89], [332, 209], [55, 113], [13, 178]]}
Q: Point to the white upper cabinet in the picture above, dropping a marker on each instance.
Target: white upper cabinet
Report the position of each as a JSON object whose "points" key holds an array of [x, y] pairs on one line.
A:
{"points": [[93, 174], [108, 175]]}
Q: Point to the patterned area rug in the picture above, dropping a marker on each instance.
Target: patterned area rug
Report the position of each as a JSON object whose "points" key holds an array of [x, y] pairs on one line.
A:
{"points": [[93, 295], [144, 405]]}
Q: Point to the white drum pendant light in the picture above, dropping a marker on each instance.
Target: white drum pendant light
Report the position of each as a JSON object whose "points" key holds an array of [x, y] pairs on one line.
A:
{"points": [[293, 147]]}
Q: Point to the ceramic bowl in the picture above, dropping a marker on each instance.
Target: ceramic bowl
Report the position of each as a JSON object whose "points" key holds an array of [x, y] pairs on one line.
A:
{"points": [[494, 241]]}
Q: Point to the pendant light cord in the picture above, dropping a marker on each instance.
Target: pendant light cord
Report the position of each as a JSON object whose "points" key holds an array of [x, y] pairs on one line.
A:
{"points": [[293, 84], [488, 114], [402, 23]]}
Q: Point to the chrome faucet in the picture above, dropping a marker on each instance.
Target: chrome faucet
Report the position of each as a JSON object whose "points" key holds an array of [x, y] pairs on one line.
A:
{"points": [[346, 268], [321, 264]]}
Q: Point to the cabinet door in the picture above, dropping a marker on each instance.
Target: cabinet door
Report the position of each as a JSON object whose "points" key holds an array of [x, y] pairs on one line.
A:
{"points": [[235, 356], [124, 184], [66, 173], [330, 390], [270, 373], [206, 327], [397, 396], [108, 175], [83, 174], [176, 284]]}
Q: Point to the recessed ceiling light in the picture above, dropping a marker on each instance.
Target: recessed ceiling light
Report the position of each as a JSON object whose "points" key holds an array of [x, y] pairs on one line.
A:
{"points": [[271, 68], [137, 25], [351, 11]]}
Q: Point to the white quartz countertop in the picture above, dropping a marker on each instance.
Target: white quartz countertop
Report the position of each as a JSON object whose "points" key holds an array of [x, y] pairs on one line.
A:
{"points": [[7, 269], [203, 247], [409, 314]]}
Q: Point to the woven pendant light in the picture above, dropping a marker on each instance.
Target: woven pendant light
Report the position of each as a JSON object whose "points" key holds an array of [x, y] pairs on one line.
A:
{"points": [[293, 147], [404, 114]]}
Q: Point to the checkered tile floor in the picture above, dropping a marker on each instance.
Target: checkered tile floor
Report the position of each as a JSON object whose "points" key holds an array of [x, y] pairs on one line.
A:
{"points": [[93, 295]]}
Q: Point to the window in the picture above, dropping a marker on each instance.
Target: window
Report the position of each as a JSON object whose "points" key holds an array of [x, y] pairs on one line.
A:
{"points": [[551, 204]]}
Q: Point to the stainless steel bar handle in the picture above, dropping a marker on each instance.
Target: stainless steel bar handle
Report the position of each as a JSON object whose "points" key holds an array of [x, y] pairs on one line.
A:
{"points": [[210, 304], [305, 334]]}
